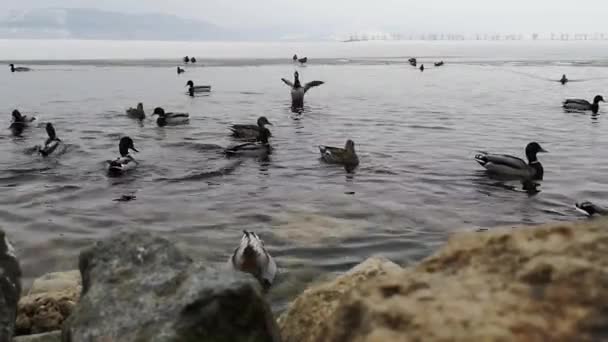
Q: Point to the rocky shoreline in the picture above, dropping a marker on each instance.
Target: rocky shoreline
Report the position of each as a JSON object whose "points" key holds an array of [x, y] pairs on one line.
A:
{"points": [[543, 283]]}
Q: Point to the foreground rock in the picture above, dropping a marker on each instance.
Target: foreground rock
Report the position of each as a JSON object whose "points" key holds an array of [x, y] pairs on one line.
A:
{"points": [[10, 288], [54, 336], [49, 302], [140, 287], [544, 283], [306, 316]]}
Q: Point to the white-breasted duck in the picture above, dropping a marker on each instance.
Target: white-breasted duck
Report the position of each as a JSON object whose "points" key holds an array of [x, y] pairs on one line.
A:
{"points": [[18, 69], [584, 105], [170, 119], [125, 162], [20, 122], [250, 132], [260, 149], [343, 156], [192, 89], [590, 209], [137, 113], [52, 143], [252, 257], [507, 165], [298, 91]]}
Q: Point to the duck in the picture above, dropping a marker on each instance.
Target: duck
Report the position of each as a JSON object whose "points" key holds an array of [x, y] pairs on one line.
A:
{"points": [[303, 60], [507, 165], [250, 132], [186, 59], [564, 79], [252, 257], [18, 69], [295, 58], [580, 104], [297, 91], [421, 67], [51, 143], [344, 156], [590, 209], [258, 149], [438, 64], [171, 119], [20, 122], [180, 70], [412, 61], [137, 113], [192, 89], [125, 162], [192, 60]]}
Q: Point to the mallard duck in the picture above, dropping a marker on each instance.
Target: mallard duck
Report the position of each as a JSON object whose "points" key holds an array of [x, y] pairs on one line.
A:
{"points": [[258, 149], [344, 156], [137, 113], [303, 60], [250, 132], [51, 143], [125, 162], [180, 70], [412, 61], [192, 89], [563, 80], [19, 69], [171, 119], [186, 59], [507, 165], [20, 122], [583, 105], [297, 91], [438, 64], [421, 67], [252, 257], [590, 209], [295, 58], [192, 60]]}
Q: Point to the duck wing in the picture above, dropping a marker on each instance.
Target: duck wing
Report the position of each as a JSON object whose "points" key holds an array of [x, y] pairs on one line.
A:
{"points": [[177, 115], [576, 104], [288, 82], [501, 159], [245, 131], [312, 84], [332, 154]]}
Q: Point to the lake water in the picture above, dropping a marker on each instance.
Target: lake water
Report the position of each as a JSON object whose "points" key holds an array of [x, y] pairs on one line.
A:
{"points": [[416, 135]]}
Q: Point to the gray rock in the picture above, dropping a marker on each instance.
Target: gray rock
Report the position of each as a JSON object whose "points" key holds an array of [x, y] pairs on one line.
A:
{"points": [[10, 288], [53, 336], [140, 287]]}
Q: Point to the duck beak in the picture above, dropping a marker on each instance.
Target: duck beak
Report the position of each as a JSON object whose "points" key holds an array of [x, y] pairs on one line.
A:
{"points": [[542, 150], [134, 149]]}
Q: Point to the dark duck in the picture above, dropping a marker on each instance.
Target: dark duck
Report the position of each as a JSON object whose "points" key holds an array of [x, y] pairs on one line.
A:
{"points": [[583, 105], [260, 149], [564, 79], [19, 69], [52, 143], [20, 122], [170, 119], [125, 162], [298, 91], [250, 132], [510, 166]]}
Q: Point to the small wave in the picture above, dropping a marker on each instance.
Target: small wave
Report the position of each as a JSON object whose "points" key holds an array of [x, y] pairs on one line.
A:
{"points": [[441, 128]]}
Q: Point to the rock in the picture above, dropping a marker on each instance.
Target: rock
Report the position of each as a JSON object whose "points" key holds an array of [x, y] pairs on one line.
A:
{"points": [[10, 288], [54, 336], [140, 287], [546, 283], [308, 313], [49, 302]]}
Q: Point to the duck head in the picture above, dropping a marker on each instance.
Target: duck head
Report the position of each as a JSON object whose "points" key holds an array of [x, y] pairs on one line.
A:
{"points": [[296, 78], [598, 99], [17, 117], [350, 146], [12, 67], [159, 111], [50, 131], [532, 149], [125, 145], [262, 121], [190, 84]]}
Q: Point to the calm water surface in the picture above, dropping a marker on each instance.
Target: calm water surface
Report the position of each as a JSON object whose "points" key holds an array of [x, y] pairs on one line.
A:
{"points": [[416, 134]]}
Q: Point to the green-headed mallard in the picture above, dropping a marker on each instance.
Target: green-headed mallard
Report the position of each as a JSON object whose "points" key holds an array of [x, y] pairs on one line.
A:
{"points": [[506, 165], [250, 132], [125, 162], [171, 119], [259, 149], [583, 105]]}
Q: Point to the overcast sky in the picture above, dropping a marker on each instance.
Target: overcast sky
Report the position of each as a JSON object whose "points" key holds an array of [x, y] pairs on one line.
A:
{"points": [[350, 15]]}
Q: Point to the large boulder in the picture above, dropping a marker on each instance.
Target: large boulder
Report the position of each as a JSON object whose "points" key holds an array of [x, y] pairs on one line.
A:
{"points": [[305, 317], [49, 302], [140, 287], [10, 288], [545, 283]]}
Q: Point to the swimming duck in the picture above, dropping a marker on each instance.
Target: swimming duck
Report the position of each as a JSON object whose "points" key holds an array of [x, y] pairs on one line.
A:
{"points": [[192, 60], [137, 113], [250, 132], [438, 64], [252, 149], [20, 122], [580, 104], [51, 143], [186, 59], [507, 165], [421, 67], [180, 70], [412, 61], [125, 162], [295, 58], [563, 80], [171, 119], [344, 156], [18, 69], [192, 89], [590, 209], [252, 257], [297, 91], [303, 60]]}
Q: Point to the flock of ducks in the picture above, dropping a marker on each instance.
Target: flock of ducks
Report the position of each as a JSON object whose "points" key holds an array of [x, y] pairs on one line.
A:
{"points": [[251, 256]]}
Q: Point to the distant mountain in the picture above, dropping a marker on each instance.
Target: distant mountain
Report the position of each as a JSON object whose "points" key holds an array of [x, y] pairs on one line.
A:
{"points": [[80, 23]]}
